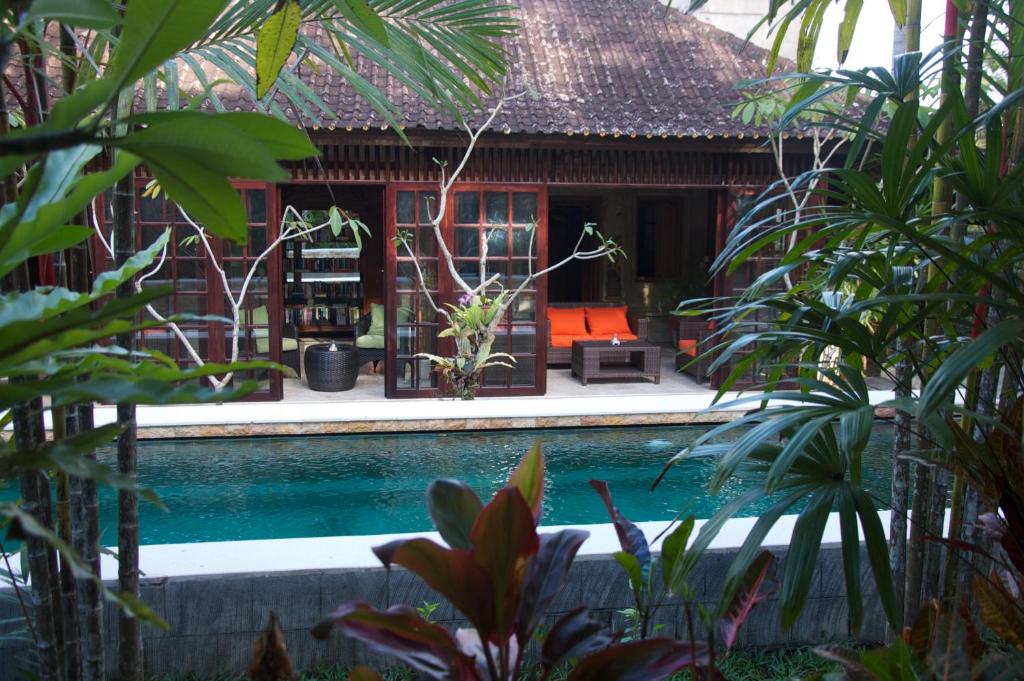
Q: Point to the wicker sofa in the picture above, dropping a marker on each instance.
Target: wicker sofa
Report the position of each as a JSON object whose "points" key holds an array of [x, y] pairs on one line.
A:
{"points": [[563, 355]]}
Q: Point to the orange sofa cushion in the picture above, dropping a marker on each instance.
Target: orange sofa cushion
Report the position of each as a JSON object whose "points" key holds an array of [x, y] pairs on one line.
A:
{"points": [[565, 340], [608, 336], [566, 321], [688, 346], [607, 320]]}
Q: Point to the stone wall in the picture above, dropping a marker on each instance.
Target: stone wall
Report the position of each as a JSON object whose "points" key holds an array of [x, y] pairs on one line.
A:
{"points": [[214, 620]]}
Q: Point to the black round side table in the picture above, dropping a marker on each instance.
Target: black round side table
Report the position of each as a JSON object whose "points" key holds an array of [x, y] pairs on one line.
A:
{"points": [[331, 370]]}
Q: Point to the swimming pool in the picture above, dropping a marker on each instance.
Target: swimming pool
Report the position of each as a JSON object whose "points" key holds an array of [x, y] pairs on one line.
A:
{"points": [[313, 486]]}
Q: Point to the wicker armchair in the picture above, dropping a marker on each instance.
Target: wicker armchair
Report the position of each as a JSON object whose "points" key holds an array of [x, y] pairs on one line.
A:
{"points": [[689, 336], [637, 324]]}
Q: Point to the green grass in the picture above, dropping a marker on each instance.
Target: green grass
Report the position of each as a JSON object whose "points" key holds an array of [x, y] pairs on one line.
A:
{"points": [[741, 665]]}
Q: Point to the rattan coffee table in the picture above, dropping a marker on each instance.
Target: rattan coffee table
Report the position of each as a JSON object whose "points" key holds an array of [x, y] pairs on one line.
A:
{"points": [[331, 370], [601, 359]]}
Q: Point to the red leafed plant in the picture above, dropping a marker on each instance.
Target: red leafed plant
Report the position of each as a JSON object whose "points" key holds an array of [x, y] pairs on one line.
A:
{"points": [[502, 576]]}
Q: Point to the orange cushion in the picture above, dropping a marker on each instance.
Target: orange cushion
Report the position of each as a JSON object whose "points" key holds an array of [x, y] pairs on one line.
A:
{"points": [[565, 340], [607, 320], [567, 321], [608, 336], [688, 346]]}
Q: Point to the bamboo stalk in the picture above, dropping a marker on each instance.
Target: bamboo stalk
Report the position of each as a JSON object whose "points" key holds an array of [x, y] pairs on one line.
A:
{"points": [[129, 629], [900, 489]]}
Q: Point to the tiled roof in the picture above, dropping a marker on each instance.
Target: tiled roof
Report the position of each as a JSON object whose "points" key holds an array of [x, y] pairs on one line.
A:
{"points": [[632, 67], [613, 67]]}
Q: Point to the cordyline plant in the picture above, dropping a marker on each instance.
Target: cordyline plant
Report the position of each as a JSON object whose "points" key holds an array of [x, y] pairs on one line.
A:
{"points": [[503, 577]]}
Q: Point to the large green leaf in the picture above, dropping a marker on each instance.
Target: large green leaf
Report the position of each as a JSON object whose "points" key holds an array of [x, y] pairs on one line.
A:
{"points": [[274, 44], [954, 369], [82, 13], [454, 508]]}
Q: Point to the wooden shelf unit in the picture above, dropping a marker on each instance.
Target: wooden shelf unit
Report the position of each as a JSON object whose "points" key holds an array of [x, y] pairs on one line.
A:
{"points": [[323, 288]]}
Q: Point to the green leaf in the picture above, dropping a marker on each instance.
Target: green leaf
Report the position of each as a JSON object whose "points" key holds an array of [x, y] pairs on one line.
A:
{"points": [[528, 478], [274, 44], [155, 30], [955, 368], [802, 555], [633, 570], [454, 508], [673, 569], [81, 13], [335, 218], [847, 27], [899, 11], [278, 138], [362, 15]]}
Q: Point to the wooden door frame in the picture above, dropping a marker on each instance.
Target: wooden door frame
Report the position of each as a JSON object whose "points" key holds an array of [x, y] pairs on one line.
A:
{"points": [[444, 285]]}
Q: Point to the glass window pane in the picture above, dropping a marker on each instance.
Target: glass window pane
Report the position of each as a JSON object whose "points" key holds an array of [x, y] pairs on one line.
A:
{"points": [[524, 339], [428, 207], [149, 235], [467, 208], [405, 208], [495, 376], [428, 243], [524, 207], [497, 242], [520, 270], [469, 270], [524, 308], [521, 242], [467, 242], [151, 210], [406, 340], [496, 208], [257, 240], [524, 373], [191, 275], [257, 199]]}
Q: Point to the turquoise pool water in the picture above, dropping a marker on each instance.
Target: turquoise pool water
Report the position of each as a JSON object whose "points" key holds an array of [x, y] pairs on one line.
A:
{"points": [[312, 486]]}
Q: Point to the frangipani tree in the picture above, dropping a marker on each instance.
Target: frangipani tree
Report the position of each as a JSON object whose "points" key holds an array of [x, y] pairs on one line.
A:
{"points": [[474, 320]]}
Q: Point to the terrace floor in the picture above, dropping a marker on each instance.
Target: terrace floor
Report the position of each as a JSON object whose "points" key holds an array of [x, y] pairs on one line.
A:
{"points": [[567, 404], [561, 383]]}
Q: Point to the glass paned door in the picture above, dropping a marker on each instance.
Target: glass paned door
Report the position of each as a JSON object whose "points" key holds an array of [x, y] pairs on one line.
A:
{"points": [[413, 323], [733, 206], [496, 239], [495, 234], [199, 290]]}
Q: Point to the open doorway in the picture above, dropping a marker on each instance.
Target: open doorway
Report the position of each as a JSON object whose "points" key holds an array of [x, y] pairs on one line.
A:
{"points": [[331, 283], [577, 280]]}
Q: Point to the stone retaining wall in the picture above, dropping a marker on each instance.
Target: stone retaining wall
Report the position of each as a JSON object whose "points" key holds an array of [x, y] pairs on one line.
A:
{"points": [[214, 620]]}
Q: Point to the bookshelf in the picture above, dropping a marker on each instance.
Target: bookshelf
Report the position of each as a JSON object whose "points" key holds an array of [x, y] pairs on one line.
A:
{"points": [[323, 287]]}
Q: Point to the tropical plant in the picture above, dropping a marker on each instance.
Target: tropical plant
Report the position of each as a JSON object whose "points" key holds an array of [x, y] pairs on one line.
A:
{"points": [[909, 262], [677, 559], [502, 576]]}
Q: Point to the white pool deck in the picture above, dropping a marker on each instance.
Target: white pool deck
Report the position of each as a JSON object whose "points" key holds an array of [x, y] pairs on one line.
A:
{"points": [[264, 556]]}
